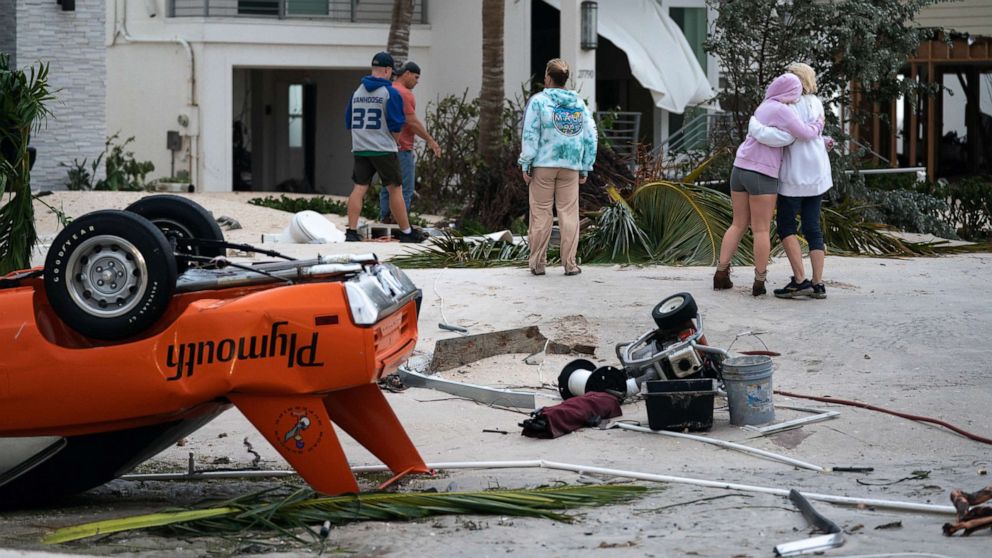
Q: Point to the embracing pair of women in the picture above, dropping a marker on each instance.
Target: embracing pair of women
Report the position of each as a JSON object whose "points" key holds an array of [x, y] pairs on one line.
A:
{"points": [[782, 165]]}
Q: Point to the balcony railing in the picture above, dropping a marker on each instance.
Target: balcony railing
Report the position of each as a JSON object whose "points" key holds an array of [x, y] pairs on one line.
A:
{"points": [[358, 11]]}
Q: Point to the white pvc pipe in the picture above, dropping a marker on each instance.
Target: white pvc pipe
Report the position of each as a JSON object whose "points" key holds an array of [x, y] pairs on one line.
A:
{"points": [[844, 500], [730, 445]]}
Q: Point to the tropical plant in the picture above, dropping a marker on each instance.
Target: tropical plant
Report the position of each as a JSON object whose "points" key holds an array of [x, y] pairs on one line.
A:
{"points": [[293, 515], [398, 43], [970, 207], [450, 250], [23, 109], [617, 233], [121, 170]]}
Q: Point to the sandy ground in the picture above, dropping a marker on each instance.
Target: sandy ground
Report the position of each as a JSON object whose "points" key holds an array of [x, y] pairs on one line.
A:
{"points": [[910, 335]]}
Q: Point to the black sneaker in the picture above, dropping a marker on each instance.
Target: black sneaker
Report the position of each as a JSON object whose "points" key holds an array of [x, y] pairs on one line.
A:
{"points": [[793, 289], [351, 235], [819, 291], [415, 236]]}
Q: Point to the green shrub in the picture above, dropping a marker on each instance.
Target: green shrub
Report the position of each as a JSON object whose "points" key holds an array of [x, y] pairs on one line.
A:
{"points": [[324, 205], [320, 204], [970, 207], [910, 211], [121, 170]]}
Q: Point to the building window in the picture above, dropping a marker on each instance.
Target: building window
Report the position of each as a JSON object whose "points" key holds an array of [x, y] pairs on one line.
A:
{"points": [[296, 115]]}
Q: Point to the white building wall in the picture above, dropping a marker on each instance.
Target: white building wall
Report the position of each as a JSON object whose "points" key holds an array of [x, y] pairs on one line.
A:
{"points": [[72, 43], [148, 76]]}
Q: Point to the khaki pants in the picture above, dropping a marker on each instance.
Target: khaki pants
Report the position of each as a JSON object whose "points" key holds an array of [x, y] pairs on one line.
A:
{"points": [[561, 187]]}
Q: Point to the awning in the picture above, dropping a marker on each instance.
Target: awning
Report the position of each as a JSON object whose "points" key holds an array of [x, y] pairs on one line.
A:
{"points": [[660, 58]]}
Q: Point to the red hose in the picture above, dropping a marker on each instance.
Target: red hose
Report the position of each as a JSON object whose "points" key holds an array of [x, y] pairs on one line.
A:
{"points": [[951, 427]]}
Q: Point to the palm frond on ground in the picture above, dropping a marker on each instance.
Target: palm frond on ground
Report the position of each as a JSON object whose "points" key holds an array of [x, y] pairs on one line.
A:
{"points": [[450, 250], [684, 222], [293, 515], [846, 234], [617, 235]]}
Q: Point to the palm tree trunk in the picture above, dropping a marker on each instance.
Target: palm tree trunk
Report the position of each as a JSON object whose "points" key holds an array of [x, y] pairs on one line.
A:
{"points": [[398, 43], [492, 95]]}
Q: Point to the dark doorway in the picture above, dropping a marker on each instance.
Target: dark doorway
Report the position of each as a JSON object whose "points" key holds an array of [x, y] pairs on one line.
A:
{"points": [[617, 90], [545, 42]]}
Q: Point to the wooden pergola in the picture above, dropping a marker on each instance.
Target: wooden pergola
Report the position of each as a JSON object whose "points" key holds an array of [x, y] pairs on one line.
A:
{"points": [[923, 120]]}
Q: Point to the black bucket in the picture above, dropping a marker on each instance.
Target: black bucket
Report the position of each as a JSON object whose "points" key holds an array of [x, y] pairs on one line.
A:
{"points": [[681, 404]]}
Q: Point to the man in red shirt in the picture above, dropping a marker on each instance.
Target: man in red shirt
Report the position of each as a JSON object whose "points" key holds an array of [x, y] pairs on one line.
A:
{"points": [[408, 75]]}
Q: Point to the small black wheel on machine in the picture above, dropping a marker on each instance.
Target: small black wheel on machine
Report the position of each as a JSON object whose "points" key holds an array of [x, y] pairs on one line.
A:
{"points": [[672, 313]]}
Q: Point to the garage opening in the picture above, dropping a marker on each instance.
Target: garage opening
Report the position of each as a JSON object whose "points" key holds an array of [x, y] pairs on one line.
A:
{"points": [[288, 130]]}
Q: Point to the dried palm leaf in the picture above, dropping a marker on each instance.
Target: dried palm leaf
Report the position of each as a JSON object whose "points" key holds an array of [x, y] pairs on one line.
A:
{"points": [[295, 513]]}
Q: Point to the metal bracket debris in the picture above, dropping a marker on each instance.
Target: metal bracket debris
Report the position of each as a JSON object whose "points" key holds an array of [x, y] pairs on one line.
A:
{"points": [[482, 394], [795, 423], [832, 539]]}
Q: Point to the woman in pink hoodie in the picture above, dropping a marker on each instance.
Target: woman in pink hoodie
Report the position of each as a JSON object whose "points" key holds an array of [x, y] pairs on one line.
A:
{"points": [[754, 181]]}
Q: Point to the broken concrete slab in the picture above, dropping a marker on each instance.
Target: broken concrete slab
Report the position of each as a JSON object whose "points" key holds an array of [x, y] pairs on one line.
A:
{"points": [[459, 351]]}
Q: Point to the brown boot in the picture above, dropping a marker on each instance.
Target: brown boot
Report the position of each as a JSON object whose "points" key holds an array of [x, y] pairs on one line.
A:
{"points": [[721, 280], [758, 288]]}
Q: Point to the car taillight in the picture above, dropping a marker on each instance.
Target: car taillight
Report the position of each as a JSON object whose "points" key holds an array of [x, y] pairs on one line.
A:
{"points": [[378, 292]]}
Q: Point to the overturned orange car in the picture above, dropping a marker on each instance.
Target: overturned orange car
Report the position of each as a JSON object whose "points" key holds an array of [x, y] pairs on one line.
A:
{"points": [[138, 331]]}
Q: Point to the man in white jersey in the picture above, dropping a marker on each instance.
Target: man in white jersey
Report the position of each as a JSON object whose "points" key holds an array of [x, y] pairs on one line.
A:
{"points": [[375, 118]]}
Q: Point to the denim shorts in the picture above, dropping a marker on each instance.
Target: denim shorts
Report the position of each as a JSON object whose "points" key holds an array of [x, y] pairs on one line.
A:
{"points": [[754, 183]]}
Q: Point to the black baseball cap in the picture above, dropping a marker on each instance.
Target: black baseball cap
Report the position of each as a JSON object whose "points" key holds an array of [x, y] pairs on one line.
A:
{"points": [[383, 60], [408, 66]]}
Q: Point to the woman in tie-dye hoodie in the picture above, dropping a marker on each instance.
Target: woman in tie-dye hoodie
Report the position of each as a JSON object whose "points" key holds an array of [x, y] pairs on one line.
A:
{"points": [[557, 153]]}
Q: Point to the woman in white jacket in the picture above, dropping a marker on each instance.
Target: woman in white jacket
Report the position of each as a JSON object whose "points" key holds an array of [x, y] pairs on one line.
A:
{"points": [[804, 178]]}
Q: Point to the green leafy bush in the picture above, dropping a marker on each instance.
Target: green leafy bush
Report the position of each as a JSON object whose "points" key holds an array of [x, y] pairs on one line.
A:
{"points": [[121, 170], [909, 210], [970, 207], [320, 204]]}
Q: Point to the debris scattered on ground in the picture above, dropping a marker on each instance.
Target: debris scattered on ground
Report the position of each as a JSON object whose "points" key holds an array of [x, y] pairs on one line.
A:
{"points": [[481, 394], [892, 525], [229, 223], [459, 351], [248, 447], [578, 412], [392, 383], [833, 538], [971, 516]]}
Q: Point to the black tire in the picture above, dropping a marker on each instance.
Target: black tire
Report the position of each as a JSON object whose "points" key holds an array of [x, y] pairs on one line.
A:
{"points": [[672, 313], [110, 274], [181, 219]]}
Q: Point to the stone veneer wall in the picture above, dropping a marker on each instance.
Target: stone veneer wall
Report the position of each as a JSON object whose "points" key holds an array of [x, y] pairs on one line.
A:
{"points": [[8, 30], [72, 43]]}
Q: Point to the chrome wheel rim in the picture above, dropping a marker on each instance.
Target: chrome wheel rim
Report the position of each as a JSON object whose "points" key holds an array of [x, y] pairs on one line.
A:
{"points": [[107, 276]]}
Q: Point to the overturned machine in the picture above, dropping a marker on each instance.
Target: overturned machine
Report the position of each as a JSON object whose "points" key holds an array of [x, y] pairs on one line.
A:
{"points": [[675, 350]]}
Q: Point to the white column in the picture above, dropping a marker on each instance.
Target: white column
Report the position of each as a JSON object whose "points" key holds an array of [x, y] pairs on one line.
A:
{"points": [[582, 63]]}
